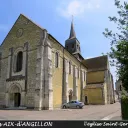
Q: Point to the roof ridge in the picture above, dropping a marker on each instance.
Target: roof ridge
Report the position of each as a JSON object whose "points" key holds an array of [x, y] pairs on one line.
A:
{"points": [[97, 57]]}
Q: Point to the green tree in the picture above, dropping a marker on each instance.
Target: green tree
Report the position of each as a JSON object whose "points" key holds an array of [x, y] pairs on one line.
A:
{"points": [[119, 43], [119, 51]]}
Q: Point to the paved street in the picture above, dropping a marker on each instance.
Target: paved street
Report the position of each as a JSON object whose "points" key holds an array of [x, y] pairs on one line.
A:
{"points": [[90, 112]]}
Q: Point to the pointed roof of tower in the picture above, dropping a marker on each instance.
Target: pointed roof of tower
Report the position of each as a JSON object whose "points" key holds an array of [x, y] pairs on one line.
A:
{"points": [[72, 31]]}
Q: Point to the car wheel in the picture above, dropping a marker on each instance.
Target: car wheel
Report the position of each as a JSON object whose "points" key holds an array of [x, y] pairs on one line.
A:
{"points": [[77, 106], [64, 107]]}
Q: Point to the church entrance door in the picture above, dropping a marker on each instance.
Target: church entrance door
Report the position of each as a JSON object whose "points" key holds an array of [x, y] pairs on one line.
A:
{"points": [[70, 95], [17, 98], [86, 100]]}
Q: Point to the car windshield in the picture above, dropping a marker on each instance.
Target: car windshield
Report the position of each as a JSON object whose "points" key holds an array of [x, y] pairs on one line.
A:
{"points": [[73, 101]]}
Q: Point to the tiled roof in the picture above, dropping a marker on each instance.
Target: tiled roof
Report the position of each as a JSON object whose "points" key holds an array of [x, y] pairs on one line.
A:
{"points": [[97, 63]]}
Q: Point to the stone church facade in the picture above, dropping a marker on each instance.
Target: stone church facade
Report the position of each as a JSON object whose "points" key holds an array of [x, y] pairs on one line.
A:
{"points": [[36, 71]]}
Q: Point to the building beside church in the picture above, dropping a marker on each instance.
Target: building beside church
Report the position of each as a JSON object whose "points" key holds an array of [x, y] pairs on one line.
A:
{"points": [[99, 87], [38, 72], [119, 87]]}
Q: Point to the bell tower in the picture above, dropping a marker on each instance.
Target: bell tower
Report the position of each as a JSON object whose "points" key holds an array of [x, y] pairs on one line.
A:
{"points": [[72, 44]]}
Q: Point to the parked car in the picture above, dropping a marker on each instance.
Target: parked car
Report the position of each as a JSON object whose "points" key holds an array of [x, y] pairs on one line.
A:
{"points": [[73, 104]]}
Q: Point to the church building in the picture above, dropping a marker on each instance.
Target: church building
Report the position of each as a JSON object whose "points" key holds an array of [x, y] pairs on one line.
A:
{"points": [[38, 72]]}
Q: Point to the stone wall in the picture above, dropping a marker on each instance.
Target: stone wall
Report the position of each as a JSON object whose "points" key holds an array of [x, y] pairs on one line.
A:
{"points": [[63, 81], [105, 93], [42, 86], [4, 63], [95, 77], [94, 93], [22, 31]]}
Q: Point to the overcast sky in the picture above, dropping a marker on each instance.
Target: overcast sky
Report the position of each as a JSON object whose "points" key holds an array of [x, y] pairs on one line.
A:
{"points": [[90, 20]]}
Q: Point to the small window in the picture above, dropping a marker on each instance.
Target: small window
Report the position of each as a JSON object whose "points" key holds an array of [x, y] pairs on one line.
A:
{"points": [[72, 45], [56, 60], [19, 61]]}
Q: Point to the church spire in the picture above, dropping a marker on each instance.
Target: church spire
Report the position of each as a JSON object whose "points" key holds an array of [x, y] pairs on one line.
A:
{"points": [[72, 31], [72, 44]]}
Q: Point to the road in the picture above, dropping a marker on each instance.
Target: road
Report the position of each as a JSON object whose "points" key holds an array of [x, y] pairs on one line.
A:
{"points": [[89, 112]]}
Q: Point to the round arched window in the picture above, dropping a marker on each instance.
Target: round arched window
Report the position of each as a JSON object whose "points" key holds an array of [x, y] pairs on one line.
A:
{"points": [[19, 61], [56, 60]]}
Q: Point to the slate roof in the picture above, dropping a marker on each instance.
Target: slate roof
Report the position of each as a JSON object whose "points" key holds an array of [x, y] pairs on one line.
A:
{"points": [[72, 32]]}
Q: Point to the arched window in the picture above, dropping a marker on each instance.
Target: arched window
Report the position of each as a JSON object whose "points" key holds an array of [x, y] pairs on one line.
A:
{"points": [[56, 60], [69, 67], [84, 76], [19, 61], [78, 72], [70, 95]]}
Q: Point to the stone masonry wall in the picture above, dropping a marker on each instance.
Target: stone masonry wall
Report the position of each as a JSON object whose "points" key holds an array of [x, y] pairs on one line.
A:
{"points": [[22, 31]]}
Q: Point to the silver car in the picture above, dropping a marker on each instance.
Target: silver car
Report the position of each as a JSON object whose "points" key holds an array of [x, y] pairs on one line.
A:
{"points": [[73, 104]]}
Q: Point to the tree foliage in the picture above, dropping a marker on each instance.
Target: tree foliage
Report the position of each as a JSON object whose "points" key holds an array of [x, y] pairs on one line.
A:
{"points": [[119, 42]]}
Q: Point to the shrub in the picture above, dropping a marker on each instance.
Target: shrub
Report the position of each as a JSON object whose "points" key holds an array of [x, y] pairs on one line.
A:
{"points": [[124, 107]]}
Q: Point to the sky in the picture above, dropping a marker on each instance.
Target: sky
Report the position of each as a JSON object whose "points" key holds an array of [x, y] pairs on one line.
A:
{"points": [[90, 19]]}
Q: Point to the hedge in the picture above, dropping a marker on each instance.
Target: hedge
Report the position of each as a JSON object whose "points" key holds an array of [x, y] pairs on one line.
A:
{"points": [[124, 107]]}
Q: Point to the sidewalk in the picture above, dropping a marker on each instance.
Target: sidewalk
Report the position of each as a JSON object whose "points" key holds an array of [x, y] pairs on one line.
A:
{"points": [[113, 116], [116, 118]]}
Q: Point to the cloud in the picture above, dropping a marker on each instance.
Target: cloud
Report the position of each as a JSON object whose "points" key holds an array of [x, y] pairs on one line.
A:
{"points": [[82, 8], [3, 28], [77, 7]]}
